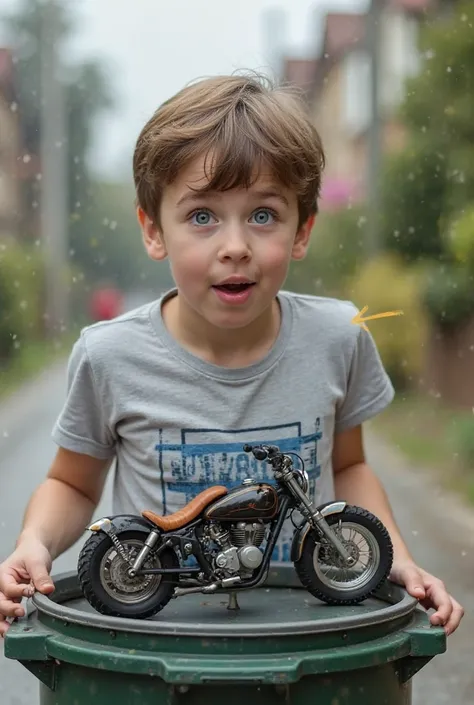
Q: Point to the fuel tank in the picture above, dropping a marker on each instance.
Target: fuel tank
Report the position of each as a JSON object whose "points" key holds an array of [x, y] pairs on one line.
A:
{"points": [[248, 503]]}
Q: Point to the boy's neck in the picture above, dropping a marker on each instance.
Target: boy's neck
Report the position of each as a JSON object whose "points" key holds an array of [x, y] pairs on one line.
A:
{"points": [[227, 347]]}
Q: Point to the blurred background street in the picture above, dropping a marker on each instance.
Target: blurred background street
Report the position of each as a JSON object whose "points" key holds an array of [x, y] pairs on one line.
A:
{"points": [[395, 231]]}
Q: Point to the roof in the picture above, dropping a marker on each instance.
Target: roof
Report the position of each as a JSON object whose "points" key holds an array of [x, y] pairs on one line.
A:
{"points": [[300, 72], [6, 64], [343, 31], [7, 74], [413, 5]]}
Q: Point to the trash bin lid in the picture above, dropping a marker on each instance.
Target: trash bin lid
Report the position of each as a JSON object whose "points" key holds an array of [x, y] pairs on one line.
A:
{"points": [[280, 607], [279, 633]]}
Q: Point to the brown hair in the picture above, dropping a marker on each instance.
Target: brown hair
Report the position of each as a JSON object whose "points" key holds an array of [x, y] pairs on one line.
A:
{"points": [[241, 122]]}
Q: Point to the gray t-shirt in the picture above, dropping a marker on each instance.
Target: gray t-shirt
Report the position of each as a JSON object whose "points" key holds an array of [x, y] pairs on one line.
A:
{"points": [[176, 424]]}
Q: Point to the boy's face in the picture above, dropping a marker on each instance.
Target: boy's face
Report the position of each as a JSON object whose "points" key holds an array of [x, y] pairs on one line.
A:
{"points": [[229, 251]]}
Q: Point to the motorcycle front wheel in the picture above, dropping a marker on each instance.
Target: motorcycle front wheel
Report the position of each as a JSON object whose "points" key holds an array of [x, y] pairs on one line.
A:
{"points": [[322, 572], [106, 585]]}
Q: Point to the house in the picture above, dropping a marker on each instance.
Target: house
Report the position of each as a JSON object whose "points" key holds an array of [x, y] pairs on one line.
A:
{"points": [[336, 84], [10, 199], [300, 73]]}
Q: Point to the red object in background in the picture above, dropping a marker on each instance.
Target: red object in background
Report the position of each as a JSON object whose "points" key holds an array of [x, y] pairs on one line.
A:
{"points": [[106, 304]]}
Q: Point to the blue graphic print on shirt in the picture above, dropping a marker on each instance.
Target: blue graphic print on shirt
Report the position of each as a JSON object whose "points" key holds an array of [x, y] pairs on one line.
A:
{"points": [[196, 462]]}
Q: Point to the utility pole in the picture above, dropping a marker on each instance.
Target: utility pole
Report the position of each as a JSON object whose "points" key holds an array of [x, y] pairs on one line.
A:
{"points": [[274, 21], [374, 16], [53, 156]]}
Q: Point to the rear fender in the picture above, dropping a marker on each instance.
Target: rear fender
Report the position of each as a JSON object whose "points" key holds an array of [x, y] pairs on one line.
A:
{"points": [[121, 522], [303, 530]]}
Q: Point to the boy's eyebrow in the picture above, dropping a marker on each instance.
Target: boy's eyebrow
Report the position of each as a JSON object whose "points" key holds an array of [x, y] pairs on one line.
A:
{"points": [[271, 193], [193, 196]]}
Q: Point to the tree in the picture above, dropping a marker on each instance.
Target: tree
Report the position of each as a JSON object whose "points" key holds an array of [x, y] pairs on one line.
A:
{"points": [[413, 193], [87, 94], [440, 102], [429, 187], [115, 246]]}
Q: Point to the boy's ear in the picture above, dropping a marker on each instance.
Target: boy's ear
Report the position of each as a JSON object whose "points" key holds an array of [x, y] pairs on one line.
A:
{"points": [[301, 242], [152, 236]]}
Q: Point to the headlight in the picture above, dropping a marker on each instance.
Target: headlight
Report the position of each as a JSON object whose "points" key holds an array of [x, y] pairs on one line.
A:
{"points": [[302, 479]]}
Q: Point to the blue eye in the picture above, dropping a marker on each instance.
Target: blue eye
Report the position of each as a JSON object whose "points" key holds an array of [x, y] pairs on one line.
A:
{"points": [[201, 218], [262, 216]]}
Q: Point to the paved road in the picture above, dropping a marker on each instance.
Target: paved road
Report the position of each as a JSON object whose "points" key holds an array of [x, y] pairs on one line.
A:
{"points": [[25, 454], [439, 531]]}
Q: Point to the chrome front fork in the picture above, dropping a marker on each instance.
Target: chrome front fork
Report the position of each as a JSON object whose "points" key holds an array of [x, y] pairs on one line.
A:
{"points": [[315, 517]]}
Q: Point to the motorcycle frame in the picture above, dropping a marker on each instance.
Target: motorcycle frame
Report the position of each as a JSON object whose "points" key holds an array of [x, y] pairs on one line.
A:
{"points": [[181, 537], [290, 497]]}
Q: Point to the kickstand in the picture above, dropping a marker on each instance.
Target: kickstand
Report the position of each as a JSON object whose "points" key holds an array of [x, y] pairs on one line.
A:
{"points": [[233, 604]]}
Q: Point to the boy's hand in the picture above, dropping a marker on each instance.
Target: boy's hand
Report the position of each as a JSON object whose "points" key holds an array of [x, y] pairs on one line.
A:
{"points": [[26, 570], [431, 593]]}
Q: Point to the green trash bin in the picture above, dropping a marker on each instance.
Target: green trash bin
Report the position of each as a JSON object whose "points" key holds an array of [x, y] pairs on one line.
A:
{"points": [[281, 646]]}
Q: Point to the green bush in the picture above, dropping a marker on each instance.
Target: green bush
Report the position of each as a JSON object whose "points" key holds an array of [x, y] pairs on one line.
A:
{"points": [[459, 238], [21, 296], [413, 194], [336, 251], [448, 295], [462, 440], [384, 284]]}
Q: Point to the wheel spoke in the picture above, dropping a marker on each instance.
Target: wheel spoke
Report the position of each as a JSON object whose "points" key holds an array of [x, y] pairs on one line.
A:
{"points": [[361, 545], [116, 581]]}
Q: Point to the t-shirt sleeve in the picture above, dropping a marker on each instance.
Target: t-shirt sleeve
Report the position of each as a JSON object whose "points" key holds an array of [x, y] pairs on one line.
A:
{"points": [[82, 425], [369, 388]]}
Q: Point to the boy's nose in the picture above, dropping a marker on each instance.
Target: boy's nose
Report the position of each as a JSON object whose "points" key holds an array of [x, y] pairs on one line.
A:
{"points": [[234, 246]]}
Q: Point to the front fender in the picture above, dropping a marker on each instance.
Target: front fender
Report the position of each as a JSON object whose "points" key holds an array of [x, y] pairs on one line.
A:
{"points": [[121, 522], [302, 531]]}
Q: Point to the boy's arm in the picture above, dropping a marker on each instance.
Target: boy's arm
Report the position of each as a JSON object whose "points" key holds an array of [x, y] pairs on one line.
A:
{"points": [[62, 505], [56, 516], [356, 483]]}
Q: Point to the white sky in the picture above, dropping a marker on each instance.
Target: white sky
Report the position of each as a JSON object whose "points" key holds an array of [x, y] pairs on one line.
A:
{"points": [[154, 47]]}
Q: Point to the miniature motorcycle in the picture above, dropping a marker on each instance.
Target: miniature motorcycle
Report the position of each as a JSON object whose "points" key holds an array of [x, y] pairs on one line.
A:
{"points": [[131, 566]]}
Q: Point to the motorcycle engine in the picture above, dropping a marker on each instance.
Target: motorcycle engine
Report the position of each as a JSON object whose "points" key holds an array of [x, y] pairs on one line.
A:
{"points": [[241, 553]]}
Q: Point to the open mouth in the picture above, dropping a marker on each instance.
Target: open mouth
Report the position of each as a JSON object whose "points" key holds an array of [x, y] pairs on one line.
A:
{"points": [[234, 288]]}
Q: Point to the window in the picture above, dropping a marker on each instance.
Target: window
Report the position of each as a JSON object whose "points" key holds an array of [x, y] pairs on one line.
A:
{"points": [[399, 44], [356, 91]]}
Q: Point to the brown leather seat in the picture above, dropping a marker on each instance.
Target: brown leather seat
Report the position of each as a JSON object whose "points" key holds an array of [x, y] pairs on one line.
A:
{"points": [[183, 516]]}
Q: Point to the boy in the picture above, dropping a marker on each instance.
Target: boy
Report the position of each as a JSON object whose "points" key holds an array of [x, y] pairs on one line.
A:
{"points": [[227, 175]]}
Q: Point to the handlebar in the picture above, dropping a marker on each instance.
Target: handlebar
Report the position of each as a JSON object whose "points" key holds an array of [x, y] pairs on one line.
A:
{"points": [[263, 452], [281, 462]]}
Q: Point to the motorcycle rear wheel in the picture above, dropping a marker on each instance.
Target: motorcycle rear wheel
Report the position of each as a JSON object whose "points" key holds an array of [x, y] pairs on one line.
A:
{"points": [[320, 569], [106, 586]]}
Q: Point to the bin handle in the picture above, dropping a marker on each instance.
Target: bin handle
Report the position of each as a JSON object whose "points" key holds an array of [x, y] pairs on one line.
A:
{"points": [[426, 642]]}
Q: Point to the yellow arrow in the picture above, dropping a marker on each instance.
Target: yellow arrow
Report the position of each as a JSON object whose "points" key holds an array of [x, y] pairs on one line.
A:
{"points": [[358, 318]]}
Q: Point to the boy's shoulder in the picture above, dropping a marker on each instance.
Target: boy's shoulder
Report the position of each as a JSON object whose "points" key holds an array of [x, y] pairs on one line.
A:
{"points": [[316, 314], [125, 332], [322, 305]]}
